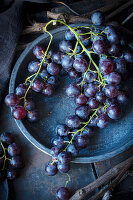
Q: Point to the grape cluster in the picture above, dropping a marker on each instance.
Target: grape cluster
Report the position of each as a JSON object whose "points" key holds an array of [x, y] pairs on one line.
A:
{"points": [[10, 157], [98, 66], [43, 79], [97, 61]]}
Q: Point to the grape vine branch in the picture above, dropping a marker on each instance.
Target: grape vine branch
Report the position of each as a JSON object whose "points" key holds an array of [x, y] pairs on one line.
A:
{"points": [[100, 80]]}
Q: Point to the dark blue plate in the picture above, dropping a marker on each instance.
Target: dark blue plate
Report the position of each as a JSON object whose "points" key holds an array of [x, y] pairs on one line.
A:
{"points": [[114, 139]]}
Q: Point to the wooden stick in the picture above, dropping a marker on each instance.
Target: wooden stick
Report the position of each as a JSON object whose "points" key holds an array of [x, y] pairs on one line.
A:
{"points": [[114, 182], [37, 27], [81, 193], [71, 18], [107, 195], [84, 19], [73, 11], [120, 9], [127, 18], [54, 15]]}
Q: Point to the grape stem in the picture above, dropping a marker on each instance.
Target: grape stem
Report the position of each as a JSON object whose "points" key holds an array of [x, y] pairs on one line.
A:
{"points": [[40, 64], [4, 155], [74, 52], [83, 81], [100, 77], [69, 180], [81, 130], [78, 41]]}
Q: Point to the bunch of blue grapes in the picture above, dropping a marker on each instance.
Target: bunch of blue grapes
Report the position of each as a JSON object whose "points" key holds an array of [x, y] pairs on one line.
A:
{"points": [[11, 161], [98, 62], [112, 58]]}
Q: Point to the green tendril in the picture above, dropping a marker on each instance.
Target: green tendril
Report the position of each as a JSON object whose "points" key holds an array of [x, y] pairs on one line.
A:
{"points": [[4, 155], [69, 180], [83, 81]]}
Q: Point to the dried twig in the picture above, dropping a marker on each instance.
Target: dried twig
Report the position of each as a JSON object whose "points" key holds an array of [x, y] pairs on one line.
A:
{"points": [[107, 195], [119, 10], [127, 19], [71, 18], [37, 27], [114, 182], [81, 193], [64, 4]]}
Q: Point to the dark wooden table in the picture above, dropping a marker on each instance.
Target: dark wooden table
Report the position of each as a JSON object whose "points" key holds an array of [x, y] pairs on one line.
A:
{"points": [[34, 185]]}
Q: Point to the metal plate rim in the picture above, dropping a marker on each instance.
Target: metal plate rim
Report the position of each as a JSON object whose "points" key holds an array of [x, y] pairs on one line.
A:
{"points": [[25, 132]]}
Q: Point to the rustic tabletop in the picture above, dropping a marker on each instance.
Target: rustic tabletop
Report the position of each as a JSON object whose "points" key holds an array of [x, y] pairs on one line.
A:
{"points": [[33, 184]]}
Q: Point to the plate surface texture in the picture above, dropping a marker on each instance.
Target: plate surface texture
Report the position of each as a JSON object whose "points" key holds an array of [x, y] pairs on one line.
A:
{"points": [[108, 142]]}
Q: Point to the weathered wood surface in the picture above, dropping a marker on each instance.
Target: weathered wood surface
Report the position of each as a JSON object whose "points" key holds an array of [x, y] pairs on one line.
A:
{"points": [[33, 184]]}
